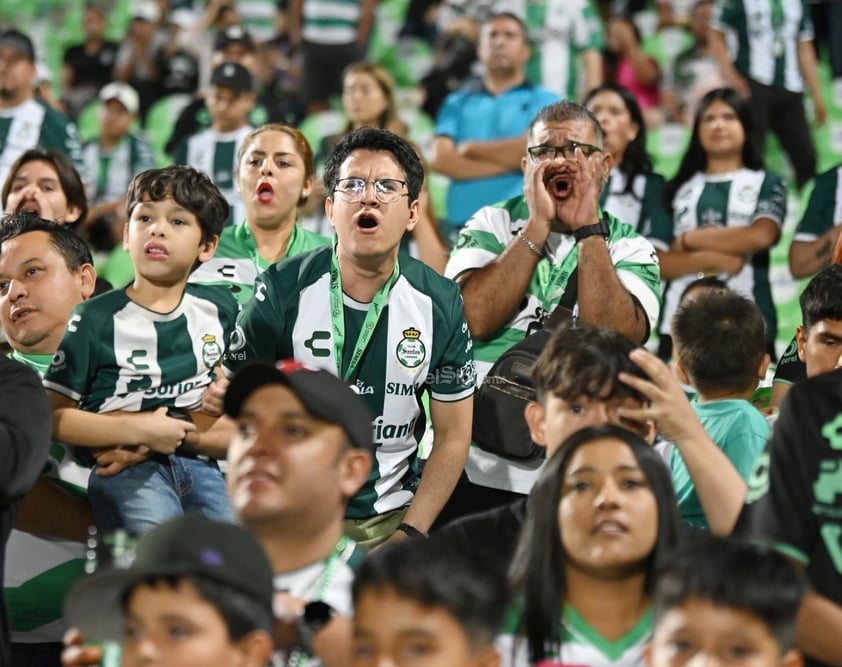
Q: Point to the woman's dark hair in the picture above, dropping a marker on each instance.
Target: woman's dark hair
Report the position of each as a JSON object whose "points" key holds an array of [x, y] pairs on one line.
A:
{"points": [[537, 571], [69, 179], [695, 159], [635, 159]]}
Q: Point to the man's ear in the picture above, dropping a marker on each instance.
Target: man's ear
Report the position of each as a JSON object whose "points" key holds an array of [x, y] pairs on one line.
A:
{"points": [[355, 465], [534, 415], [414, 215], [801, 342], [87, 274], [647, 653]]}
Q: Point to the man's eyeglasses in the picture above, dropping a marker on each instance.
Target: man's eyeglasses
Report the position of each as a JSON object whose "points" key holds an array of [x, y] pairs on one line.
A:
{"points": [[387, 190], [547, 153]]}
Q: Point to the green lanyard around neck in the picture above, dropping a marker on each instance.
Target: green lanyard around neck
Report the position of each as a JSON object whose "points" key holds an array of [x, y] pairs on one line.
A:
{"points": [[337, 316]]}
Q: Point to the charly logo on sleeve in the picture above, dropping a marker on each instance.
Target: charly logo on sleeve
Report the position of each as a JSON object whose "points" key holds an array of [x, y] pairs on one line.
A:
{"points": [[411, 351]]}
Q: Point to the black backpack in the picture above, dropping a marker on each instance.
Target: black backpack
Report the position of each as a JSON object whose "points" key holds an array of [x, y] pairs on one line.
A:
{"points": [[499, 426]]}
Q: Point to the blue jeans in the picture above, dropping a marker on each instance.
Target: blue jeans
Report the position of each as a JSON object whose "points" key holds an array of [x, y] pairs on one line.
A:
{"points": [[154, 491]]}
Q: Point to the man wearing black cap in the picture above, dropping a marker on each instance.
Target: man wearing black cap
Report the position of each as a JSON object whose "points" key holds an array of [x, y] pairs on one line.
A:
{"points": [[232, 44], [303, 447], [229, 100], [199, 592], [27, 122]]}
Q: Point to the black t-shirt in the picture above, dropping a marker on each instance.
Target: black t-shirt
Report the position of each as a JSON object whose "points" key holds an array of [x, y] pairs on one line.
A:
{"points": [[790, 368], [794, 499], [91, 70]]}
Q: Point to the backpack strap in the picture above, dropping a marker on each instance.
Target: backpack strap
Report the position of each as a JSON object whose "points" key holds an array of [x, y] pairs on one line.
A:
{"points": [[564, 309]]}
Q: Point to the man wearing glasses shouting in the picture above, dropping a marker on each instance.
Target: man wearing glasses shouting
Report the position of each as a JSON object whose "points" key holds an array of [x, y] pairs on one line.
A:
{"points": [[391, 329], [514, 262]]}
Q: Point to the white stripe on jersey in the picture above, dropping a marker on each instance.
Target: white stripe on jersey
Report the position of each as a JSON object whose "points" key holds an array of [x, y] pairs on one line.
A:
{"points": [[24, 132]]}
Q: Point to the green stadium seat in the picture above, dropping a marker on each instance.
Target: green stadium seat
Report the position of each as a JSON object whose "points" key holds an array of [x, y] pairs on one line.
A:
{"points": [[87, 123], [666, 145], [317, 126], [160, 120]]}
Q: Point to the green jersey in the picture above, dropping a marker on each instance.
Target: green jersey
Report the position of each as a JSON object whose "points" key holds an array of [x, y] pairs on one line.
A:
{"points": [[40, 571], [559, 31], [825, 208], [580, 644], [734, 199], [481, 241], [118, 355], [420, 342], [237, 263], [32, 124], [215, 153], [766, 34]]}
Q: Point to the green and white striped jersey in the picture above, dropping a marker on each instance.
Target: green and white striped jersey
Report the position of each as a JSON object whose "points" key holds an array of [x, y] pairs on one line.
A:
{"points": [[112, 170], [215, 153], [735, 199], [40, 571], [32, 124], [763, 37], [330, 21], [560, 30], [580, 643], [118, 355], [824, 211], [236, 262], [421, 342], [481, 241]]}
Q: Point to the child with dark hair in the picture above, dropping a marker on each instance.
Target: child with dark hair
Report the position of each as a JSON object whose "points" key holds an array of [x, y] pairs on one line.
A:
{"points": [[719, 348], [428, 593], [726, 602], [198, 593], [133, 363]]}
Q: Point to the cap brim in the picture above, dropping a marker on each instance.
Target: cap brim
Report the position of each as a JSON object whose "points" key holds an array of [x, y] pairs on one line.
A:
{"points": [[246, 381]]}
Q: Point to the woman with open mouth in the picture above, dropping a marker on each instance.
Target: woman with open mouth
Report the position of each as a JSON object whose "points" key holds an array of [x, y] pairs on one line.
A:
{"points": [[274, 178]]}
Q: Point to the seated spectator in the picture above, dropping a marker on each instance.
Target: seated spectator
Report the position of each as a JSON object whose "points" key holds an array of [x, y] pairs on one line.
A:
{"points": [[113, 159], [817, 346], [601, 521], [429, 593], [278, 82], [695, 71], [138, 57], [46, 270], [214, 151], [725, 602], [233, 44], [454, 56], [27, 121], [198, 592], [628, 65], [274, 177], [87, 66], [634, 193], [792, 505], [727, 212], [368, 100], [175, 218], [719, 349], [589, 377], [817, 233], [44, 182], [481, 129]]}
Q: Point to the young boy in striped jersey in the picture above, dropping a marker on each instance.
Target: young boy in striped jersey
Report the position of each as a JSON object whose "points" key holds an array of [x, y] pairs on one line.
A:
{"points": [[133, 363]]}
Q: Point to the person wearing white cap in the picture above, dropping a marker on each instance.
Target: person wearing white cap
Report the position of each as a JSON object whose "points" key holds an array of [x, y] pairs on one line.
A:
{"points": [[112, 160], [26, 121]]}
